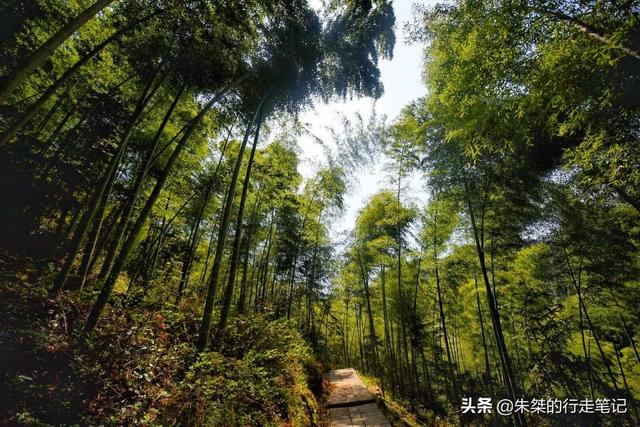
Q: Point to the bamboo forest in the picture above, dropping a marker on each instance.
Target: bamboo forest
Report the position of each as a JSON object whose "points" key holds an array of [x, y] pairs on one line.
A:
{"points": [[319, 213]]}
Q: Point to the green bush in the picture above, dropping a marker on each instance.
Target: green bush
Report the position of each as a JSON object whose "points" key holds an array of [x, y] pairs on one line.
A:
{"points": [[255, 378]]}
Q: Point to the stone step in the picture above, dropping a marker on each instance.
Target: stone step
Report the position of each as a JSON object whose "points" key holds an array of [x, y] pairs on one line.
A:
{"points": [[350, 403]]}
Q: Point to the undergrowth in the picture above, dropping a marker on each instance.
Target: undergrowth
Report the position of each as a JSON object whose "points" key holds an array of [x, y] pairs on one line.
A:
{"points": [[142, 369]]}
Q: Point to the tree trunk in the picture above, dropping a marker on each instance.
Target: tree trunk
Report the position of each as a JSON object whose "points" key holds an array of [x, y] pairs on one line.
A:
{"points": [[243, 298], [263, 275], [495, 316], [58, 129], [310, 290], [372, 330], [54, 109], [74, 131], [630, 338], [582, 337], [203, 275], [110, 281], [90, 245], [203, 335], [583, 309], [363, 367], [387, 336], [588, 29], [346, 333], [104, 239], [33, 109], [624, 381], [41, 54], [105, 183], [155, 248], [129, 206], [402, 332], [487, 366], [186, 268], [235, 252], [295, 256], [444, 328]]}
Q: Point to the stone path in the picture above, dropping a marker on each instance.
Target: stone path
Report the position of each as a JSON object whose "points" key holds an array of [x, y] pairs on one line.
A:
{"points": [[350, 403]]}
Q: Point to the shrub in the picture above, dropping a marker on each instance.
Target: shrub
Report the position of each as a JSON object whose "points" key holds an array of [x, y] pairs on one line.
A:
{"points": [[255, 378]]}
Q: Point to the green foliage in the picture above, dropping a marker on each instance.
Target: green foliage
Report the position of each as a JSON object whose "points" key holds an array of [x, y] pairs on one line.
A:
{"points": [[519, 277], [530, 233], [143, 370], [383, 224], [258, 379]]}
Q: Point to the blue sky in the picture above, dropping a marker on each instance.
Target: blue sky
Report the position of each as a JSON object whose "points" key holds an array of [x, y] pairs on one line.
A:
{"points": [[402, 80]]}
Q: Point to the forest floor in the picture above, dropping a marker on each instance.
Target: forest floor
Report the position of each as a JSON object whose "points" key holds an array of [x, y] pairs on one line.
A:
{"points": [[46, 380], [141, 369], [32, 370]]}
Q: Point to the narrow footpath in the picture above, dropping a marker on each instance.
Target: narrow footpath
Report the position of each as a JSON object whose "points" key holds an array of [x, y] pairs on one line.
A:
{"points": [[350, 403]]}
